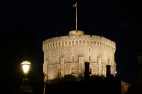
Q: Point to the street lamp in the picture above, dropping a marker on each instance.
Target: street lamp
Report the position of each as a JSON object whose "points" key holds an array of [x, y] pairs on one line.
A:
{"points": [[25, 86], [26, 65]]}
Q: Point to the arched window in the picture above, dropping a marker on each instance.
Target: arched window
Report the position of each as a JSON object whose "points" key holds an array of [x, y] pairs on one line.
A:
{"points": [[72, 42], [50, 45], [69, 42], [53, 45], [79, 41], [65, 42], [83, 41]]}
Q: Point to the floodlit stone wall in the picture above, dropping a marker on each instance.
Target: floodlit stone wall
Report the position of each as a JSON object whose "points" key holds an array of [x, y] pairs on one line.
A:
{"points": [[67, 54]]}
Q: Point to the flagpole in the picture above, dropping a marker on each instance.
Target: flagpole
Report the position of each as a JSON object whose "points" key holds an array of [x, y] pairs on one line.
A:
{"points": [[76, 16]]}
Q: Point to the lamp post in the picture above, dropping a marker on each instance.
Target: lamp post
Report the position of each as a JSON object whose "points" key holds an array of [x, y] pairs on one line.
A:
{"points": [[25, 67]]}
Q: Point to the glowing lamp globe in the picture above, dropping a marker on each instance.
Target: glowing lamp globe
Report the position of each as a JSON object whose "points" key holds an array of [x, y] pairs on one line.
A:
{"points": [[26, 66]]}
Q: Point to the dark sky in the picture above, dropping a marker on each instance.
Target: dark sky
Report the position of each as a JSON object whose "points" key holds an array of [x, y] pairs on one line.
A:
{"points": [[24, 24]]}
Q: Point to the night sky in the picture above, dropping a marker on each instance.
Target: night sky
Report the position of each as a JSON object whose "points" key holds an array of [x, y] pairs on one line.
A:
{"points": [[24, 24]]}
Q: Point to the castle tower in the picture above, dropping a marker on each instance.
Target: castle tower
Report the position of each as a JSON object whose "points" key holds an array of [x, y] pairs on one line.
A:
{"points": [[66, 55]]}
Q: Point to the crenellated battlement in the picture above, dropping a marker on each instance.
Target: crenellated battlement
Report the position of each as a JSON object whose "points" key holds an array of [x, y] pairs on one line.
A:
{"points": [[66, 41]]}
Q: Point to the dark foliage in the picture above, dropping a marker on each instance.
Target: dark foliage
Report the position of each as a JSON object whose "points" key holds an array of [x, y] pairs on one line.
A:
{"points": [[94, 84]]}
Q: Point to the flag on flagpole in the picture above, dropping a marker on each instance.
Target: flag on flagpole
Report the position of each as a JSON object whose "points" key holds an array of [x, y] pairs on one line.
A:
{"points": [[74, 3]]}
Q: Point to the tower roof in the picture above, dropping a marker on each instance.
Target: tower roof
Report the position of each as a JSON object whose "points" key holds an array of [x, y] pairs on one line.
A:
{"points": [[76, 33]]}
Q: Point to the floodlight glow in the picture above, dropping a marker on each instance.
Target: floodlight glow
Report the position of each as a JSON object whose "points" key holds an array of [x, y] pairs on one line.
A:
{"points": [[26, 66]]}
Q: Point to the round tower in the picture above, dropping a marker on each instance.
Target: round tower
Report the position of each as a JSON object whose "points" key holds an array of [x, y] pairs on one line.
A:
{"points": [[66, 55]]}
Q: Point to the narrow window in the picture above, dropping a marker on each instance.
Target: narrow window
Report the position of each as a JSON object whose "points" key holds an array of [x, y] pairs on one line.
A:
{"points": [[108, 70]]}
